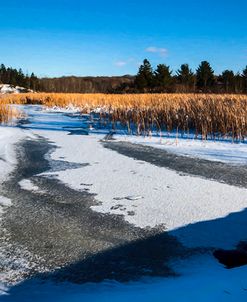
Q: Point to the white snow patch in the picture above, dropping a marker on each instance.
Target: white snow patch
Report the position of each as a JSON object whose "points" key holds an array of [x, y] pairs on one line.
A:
{"points": [[7, 88], [67, 109], [27, 184], [4, 201], [169, 199], [8, 138]]}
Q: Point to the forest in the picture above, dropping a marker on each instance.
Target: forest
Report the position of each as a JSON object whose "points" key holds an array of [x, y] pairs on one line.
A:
{"points": [[162, 79]]}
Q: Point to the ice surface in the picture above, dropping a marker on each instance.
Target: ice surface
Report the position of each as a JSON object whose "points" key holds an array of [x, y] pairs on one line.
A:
{"points": [[169, 199], [200, 212], [222, 151]]}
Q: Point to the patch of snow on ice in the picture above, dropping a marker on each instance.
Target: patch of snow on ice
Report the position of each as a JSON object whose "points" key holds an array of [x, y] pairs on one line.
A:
{"points": [[27, 184], [226, 152], [8, 138], [4, 202], [68, 109], [169, 199]]}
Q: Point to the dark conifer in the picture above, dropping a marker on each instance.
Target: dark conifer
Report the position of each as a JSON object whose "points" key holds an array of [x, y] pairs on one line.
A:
{"points": [[205, 76], [145, 77]]}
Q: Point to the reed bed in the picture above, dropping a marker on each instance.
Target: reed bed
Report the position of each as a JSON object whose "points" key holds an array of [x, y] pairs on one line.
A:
{"points": [[207, 115], [7, 113]]}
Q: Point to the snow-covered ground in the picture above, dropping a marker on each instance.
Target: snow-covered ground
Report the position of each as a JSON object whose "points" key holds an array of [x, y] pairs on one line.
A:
{"points": [[7, 88], [200, 212], [201, 280]]}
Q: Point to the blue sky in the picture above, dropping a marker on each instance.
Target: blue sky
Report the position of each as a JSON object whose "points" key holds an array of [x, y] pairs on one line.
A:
{"points": [[55, 38]]}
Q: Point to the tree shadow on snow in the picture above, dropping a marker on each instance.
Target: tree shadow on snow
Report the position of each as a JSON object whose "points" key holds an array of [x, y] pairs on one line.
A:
{"points": [[148, 256]]}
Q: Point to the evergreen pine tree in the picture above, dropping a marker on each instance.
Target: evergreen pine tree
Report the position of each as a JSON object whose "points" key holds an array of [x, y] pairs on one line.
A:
{"points": [[144, 78], [186, 77], [205, 76], [244, 76], [163, 78], [2, 73], [227, 77]]}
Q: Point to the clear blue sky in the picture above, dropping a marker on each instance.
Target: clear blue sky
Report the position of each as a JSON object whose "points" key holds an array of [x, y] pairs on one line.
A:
{"points": [[64, 37]]}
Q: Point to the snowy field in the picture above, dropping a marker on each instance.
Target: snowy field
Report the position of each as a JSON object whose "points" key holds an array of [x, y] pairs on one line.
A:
{"points": [[201, 213]]}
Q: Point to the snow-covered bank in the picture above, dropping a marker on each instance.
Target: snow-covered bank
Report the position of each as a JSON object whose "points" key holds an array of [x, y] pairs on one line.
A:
{"points": [[8, 138], [226, 152], [7, 88]]}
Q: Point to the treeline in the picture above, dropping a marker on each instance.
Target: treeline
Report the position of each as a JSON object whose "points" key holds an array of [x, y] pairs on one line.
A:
{"points": [[16, 77], [70, 84], [162, 79], [185, 80], [74, 84]]}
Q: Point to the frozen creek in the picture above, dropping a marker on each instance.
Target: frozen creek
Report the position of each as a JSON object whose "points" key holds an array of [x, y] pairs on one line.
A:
{"points": [[84, 210]]}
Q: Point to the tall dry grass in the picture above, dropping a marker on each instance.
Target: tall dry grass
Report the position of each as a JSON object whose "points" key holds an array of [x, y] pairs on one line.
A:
{"points": [[205, 114], [7, 113]]}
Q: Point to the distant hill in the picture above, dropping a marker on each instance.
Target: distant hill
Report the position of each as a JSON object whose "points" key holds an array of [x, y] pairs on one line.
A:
{"points": [[75, 84]]}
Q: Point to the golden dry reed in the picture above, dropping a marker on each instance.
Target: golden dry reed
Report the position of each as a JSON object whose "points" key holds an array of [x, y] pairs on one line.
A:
{"points": [[215, 115], [7, 113]]}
